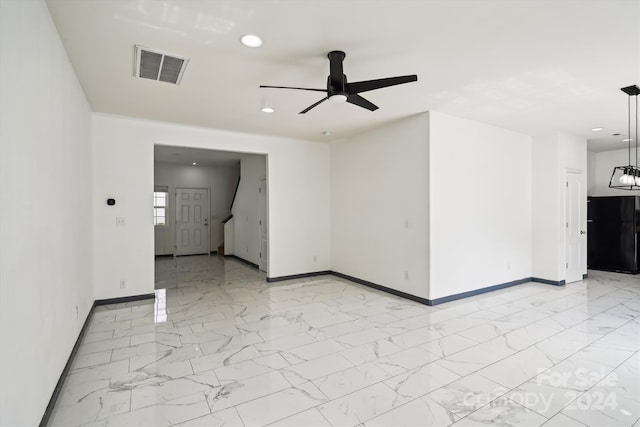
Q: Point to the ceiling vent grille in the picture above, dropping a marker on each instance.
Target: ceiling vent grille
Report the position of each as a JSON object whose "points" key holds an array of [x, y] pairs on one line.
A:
{"points": [[158, 65]]}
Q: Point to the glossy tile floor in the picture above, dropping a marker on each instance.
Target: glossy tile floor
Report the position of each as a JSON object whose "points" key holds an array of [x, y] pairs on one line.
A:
{"points": [[220, 346]]}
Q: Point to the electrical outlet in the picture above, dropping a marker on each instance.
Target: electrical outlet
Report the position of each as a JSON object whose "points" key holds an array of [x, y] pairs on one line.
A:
{"points": [[123, 284]]}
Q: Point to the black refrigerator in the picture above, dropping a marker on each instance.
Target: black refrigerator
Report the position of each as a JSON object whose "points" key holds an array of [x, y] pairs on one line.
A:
{"points": [[613, 231]]}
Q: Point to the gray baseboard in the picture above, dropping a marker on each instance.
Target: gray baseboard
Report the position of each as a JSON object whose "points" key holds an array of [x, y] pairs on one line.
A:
{"points": [[549, 282], [67, 367], [242, 260], [298, 276]]}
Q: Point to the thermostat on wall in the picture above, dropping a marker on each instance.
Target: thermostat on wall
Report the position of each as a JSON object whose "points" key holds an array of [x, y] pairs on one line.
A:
{"points": [[111, 202]]}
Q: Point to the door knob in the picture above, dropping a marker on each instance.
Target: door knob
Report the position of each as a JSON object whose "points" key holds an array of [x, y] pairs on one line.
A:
{"points": [[583, 232]]}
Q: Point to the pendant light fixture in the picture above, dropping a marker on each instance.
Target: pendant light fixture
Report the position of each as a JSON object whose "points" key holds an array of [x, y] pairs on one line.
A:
{"points": [[628, 177]]}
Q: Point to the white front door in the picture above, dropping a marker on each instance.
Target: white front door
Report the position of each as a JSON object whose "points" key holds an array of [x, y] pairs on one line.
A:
{"points": [[192, 221], [575, 227], [262, 223]]}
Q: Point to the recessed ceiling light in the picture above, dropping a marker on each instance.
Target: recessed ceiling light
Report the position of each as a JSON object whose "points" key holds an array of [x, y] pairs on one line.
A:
{"points": [[597, 129], [251, 40], [267, 110], [194, 163]]}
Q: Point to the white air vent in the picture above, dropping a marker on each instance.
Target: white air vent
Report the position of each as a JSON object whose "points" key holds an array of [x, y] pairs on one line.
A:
{"points": [[160, 66]]}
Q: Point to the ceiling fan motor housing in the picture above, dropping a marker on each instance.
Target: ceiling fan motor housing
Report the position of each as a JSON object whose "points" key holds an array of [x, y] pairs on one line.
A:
{"points": [[335, 84]]}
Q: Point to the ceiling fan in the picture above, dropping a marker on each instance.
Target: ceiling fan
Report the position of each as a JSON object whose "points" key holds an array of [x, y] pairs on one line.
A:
{"points": [[339, 90]]}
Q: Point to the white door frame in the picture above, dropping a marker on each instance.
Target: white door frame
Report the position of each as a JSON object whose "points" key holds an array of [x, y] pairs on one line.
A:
{"points": [[575, 221], [206, 216], [263, 224]]}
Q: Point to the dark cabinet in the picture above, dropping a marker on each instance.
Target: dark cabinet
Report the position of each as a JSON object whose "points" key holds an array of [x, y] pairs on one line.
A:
{"points": [[613, 230]]}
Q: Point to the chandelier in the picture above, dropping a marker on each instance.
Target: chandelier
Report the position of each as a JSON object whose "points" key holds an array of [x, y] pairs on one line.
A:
{"points": [[628, 177]]}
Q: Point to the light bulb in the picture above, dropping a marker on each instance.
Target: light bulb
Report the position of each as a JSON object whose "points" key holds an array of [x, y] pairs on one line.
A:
{"points": [[627, 179], [338, 98]]}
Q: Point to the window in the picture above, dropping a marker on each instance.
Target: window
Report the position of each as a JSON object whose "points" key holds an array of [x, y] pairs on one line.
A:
{"points": [[160, 207]]}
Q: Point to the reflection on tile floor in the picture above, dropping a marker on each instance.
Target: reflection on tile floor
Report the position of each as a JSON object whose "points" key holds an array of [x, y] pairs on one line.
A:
{"points": [[220, 346]]}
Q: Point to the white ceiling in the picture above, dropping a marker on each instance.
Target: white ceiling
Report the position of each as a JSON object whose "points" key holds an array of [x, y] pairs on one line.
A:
{"points": [[187, 156], [533, 66]]}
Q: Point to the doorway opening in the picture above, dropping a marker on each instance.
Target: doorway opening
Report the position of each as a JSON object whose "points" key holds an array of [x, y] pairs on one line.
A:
{"points": [[211, 202]]}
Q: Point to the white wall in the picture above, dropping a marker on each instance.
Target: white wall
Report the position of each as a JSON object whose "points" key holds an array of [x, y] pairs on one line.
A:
{"points": [[546, 187], [591, 173], [221, 182], [480, 205], [553, 155], [298, 176], [600, 175], [45, 223], [245, 209], [379, 206]]}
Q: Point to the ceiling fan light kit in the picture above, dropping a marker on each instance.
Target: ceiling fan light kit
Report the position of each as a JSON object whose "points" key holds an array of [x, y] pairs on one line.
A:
{"points": [[628, 177], [339, 90]]}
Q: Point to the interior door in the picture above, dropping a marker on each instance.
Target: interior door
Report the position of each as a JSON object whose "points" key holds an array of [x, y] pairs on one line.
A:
{"points": [[263, 223], [575, 230], [192, 221]]}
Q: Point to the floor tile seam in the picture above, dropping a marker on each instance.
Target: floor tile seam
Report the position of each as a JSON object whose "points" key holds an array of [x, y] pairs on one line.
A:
{"points": [[617, 305], [393, 408], [613, 331], [572, 418], [613, 369], [513, 403], [323, 416], [328, 399], [409, 400], [209, 405], [235, 409], [322, 376], [164, 401], [270, 394], [81, 353], [578, 395], [515, 389], [362, 422], [503, 334], [566, 308], [539, 373], [231, 363], [503, 358]]}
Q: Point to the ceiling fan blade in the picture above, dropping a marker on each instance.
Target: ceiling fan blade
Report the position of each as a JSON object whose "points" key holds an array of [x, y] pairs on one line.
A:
{"points": [[367, 85], [314, 105], [361, 102], [297, 88]]}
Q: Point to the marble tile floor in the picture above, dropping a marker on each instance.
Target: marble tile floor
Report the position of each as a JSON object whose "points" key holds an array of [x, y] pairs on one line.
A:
{"points": [[221, 347]]}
